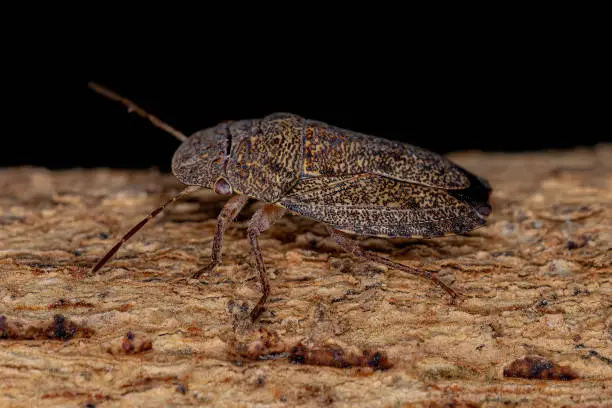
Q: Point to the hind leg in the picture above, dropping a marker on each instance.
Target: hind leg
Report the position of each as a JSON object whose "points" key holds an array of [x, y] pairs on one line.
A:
{"points": [[352, 246]]}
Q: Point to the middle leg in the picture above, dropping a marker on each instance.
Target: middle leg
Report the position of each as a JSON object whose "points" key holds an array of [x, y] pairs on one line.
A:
{"points": [[261, 221]]}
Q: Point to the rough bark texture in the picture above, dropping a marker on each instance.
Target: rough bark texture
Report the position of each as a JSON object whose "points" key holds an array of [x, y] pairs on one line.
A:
{"points": [[534, 329]]}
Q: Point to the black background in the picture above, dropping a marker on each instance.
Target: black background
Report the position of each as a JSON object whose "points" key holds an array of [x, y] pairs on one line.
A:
{"points": [[513, 89]]}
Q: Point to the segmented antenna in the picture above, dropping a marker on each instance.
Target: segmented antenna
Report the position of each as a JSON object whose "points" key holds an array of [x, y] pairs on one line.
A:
{"points": [[141, 224], [132, 107]]}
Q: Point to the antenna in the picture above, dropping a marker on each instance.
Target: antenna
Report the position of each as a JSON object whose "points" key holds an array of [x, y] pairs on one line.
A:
{"points": [[132, 107], [137, 227]]}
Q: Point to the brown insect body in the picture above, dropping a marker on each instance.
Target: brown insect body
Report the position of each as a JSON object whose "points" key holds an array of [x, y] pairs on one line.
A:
{"points": [[352, 182]]}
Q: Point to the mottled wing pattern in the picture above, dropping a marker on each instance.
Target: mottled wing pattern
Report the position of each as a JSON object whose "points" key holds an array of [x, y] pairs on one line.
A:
{"points": [[332, 151], [371, 204], [267, 161]]}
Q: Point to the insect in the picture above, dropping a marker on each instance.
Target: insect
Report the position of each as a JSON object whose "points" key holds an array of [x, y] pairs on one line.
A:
{"points": [[353, 183]]}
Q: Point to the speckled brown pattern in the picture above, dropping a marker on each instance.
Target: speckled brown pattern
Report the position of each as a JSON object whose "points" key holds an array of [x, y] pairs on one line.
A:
{"points": [[348, 180], [332, 151], [266, 163], [369, 204], [200, 160]]}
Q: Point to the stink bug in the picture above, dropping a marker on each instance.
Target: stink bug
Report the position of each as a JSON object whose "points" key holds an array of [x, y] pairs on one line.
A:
{"points": [[355, 184]]}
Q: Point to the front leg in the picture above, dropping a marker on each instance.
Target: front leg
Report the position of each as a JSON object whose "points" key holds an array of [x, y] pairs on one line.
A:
{"points": [[228, 213], [261, 221], [352, 247]]}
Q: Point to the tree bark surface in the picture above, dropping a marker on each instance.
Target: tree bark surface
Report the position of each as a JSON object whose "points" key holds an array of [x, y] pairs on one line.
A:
{"points": [[534, 328]]}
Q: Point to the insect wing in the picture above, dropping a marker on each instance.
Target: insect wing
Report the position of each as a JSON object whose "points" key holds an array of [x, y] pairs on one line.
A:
{"points": [[370, 204]]}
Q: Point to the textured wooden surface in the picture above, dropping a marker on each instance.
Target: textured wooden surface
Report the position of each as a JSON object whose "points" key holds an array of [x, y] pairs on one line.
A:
{"points": [[337, 332]]}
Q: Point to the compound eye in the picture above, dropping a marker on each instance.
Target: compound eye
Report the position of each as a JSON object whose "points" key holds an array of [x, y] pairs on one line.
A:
{"points": [[222, 187]]}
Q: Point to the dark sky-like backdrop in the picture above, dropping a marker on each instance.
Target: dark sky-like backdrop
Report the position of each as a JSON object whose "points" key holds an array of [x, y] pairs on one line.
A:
{"points": [[502, 95]]}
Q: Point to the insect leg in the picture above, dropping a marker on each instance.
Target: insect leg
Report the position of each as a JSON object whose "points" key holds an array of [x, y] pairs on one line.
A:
{"points": [[352, 246], [141, 224], [228, 213], [261, 221]]}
